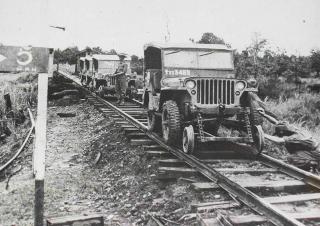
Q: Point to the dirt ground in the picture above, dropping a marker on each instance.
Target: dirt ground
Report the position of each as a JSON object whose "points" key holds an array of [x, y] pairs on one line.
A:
{"points": [[121, 185]]}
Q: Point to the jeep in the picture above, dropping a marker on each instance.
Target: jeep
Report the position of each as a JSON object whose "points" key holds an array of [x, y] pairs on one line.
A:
{"points": [[190, 91]]}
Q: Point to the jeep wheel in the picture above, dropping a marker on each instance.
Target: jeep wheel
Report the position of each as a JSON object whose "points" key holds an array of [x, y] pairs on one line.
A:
{"points": [[100, 91], [258, 138], [188, 140], [91, 86], [171, 122], [153, 121], [131, 88], [82, 80]]}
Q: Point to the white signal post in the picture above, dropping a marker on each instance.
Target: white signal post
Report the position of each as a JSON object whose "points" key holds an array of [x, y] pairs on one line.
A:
{"points": [[41, 128], [41, 144], [40, 149]]}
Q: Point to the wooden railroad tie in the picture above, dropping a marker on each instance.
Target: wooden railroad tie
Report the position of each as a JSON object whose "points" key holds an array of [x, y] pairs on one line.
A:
{"points": [[293, 185], [79, 220], [137, 142]]}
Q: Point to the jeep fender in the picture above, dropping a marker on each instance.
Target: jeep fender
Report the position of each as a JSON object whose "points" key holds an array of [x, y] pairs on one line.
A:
{"points": [[179, 96]]}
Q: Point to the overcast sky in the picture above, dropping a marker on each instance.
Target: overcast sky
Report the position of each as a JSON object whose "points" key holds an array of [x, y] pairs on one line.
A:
{"points": [[125, 25]]}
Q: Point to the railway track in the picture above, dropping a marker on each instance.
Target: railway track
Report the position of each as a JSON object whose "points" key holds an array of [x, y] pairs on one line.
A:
{"points": [[275, 192]]}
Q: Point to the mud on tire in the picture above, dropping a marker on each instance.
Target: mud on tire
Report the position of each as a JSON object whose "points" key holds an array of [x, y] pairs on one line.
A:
{"points": [[171, 122]]}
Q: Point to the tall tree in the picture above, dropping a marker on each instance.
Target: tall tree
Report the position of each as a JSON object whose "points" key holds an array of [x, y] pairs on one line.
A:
{"points": [[58, 57], [97, 50], [70, 54], [315, 61], [112, 52], [210, 38], [136, 64], [134, 59], [256, 48]]}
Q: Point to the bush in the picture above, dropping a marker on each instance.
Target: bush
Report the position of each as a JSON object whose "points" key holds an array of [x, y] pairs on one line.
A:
{"points": [[23, 91], [278, 88], [27, 78], [302, 110]]}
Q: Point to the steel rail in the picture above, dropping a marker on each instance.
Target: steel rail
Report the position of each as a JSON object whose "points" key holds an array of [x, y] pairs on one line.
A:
{"points": [[291, 170], [274, 214]]}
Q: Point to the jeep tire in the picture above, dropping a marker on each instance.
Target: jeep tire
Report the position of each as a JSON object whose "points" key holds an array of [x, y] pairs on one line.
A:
{"points": [[258, 138], [188, 141], [171, 122]]}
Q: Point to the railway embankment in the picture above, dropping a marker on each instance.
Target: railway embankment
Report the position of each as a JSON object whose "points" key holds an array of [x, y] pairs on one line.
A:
{"points": [[91, 167]]}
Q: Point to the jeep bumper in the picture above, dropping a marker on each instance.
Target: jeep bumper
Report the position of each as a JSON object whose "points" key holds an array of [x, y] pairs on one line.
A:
{"points": [[217, 110]]}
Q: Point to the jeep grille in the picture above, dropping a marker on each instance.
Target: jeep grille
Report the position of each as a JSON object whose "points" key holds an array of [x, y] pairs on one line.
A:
{"points": [[215, 91]]}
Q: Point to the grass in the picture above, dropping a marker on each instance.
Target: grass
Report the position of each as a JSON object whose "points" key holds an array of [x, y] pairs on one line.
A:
{"points": [[279, 88], [300, 110], [22, 88]]}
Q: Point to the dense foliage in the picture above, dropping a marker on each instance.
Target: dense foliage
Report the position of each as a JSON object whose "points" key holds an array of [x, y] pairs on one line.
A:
{"points": [[137, 64], [210, 38], [278, 73], [69, 55], [315, 61]]}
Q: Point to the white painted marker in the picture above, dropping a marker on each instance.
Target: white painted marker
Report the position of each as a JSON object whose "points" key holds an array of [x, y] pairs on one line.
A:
{"points": [[2, 58], [28, 61]]}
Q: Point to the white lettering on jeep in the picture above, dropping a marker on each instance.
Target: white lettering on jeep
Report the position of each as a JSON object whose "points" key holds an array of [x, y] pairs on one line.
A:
{"points": [[176, 72]]}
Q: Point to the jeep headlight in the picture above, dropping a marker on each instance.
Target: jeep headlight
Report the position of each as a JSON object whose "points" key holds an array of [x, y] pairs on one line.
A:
{"points": [[190, 84], [240, 85]]}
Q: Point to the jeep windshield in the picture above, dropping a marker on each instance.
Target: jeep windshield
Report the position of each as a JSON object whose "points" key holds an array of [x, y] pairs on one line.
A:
{"points": [[200, 59]]}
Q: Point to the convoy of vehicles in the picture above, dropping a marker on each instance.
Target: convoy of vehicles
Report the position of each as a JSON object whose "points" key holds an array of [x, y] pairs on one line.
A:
{"points": [[190, 91], [103, 67], [95, 72]]}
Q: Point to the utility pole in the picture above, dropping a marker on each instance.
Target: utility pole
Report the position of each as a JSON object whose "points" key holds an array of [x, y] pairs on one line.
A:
{"points": [[62, 29], [255, 53], [256, 46], [167, 36]]}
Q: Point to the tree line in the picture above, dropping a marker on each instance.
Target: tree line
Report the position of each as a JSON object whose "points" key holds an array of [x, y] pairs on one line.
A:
{"points": [[278, 73], [257, 60], [69, 55]]}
